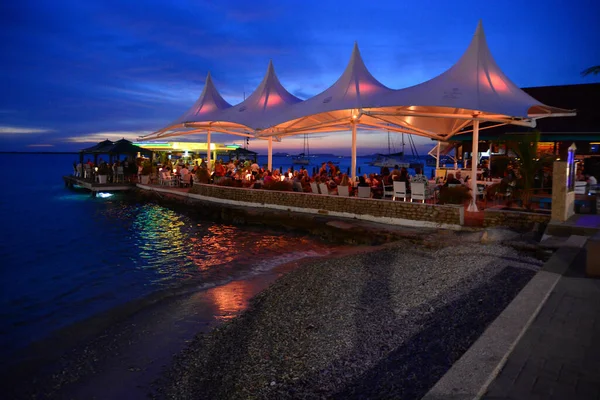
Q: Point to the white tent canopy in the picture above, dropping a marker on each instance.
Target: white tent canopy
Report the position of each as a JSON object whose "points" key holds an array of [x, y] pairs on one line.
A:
{"points": [[263, 106], [471, 92]]}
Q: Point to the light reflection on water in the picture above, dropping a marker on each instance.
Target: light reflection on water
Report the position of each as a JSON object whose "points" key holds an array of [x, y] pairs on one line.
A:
{"points": [[230, 299], [90, 255], [177, 248]]}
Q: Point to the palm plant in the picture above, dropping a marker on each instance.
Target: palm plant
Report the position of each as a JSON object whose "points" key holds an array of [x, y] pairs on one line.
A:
{"points": [[529, 164], [591, 71]]}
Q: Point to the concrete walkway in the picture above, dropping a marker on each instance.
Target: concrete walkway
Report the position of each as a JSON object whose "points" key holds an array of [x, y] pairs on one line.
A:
{"points": [[544, 345], [558, 357]]}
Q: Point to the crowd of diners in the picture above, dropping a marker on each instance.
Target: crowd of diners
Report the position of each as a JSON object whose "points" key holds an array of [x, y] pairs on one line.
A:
{"points": [[250, 174], [119, 170]]}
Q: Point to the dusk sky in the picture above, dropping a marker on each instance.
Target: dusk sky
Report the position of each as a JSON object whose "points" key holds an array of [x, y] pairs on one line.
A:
{"points": [[73, 73]]}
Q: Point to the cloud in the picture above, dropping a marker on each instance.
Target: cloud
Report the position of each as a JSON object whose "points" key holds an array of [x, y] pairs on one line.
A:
{"points": [[16, 130], [100, 136], [40, 145]]}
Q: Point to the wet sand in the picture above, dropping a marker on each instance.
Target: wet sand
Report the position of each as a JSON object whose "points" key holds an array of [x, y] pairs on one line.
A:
{"points": [[383, 324], [102, 358]]}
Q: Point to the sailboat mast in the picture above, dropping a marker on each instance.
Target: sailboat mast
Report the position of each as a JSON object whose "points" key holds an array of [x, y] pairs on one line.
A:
{"points": [[403, 144], [307, 152]]}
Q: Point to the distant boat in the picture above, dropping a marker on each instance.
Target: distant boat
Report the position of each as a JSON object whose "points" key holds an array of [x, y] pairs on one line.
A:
{"points": [[301, 159], [304, 157], [390, 160]]}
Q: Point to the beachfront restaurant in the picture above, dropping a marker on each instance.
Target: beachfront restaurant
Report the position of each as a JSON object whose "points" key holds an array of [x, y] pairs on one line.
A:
{"points": [[480, 98], [195, 152]]}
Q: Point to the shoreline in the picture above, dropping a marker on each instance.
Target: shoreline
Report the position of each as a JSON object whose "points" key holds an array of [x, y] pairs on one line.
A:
{"points": [[80, 359], [371, 325]]}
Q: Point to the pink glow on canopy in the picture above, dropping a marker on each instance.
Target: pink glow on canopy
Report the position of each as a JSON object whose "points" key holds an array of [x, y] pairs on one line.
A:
{"points": [[494, 81], [271, 100], [206, 108], [366, 87]]}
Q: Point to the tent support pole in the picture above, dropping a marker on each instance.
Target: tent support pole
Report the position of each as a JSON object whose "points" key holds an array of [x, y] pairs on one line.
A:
{"points": [[270, 154], [474, 156], [208, 151], [353, 164], [456, 156], [490, 162], [437, 158]]}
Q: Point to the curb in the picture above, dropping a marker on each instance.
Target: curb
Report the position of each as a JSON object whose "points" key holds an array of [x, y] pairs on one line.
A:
{"points": [[471, 375]]}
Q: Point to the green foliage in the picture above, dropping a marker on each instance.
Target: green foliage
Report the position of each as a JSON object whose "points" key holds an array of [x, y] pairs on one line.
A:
{"points": [[529, 165], [147, 168], [283, 186], [500, 164], [454, 195], [595, 70]]}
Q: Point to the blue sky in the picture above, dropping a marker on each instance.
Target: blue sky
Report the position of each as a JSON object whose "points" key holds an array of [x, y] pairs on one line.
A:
{"points": [[77, 72]]}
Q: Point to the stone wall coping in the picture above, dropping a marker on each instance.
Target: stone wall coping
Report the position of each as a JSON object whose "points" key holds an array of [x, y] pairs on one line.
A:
{"points": [[400, 219]]}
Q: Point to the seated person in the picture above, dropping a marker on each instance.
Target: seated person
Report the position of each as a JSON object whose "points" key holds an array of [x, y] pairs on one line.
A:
{"points": [[268, 178], [362, 182], [451, 180], [418, 177], [591, 180]]}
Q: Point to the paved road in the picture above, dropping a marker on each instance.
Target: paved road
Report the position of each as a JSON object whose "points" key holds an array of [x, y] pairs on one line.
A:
{"points": [[559, 355]]}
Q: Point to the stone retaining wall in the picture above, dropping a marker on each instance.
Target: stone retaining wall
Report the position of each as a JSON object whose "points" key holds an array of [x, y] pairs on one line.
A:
{"points": [[397, 212], [520, 220]]}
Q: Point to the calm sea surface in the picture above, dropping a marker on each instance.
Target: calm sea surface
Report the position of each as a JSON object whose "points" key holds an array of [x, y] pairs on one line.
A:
{"points": [[67, 256]]}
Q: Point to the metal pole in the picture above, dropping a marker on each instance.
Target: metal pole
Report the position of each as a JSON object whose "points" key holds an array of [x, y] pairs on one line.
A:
{"points": [[208, 151], [270, 154], [490, 161], [353, 164], [475, 151], [456, 157]]}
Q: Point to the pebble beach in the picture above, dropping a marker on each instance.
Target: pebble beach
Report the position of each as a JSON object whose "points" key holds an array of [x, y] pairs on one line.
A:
{"points": [[386, 323]]}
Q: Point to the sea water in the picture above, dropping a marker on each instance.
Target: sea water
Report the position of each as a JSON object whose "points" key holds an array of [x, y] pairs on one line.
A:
{"points": [[67, 256]]}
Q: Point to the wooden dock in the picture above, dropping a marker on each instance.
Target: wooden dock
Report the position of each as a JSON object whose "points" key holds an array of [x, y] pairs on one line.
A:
{"points": [[94, 187]]}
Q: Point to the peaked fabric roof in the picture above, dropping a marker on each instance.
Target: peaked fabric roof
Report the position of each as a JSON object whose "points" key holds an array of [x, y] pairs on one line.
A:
{"points": [[475, 82], [439, 108], [475, 85], [267, 101], [208, 105], [355, 89]]}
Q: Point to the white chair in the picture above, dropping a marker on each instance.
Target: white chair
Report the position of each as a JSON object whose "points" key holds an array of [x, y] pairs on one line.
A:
{"points": [[120, 174], [418, 192], [323, 188], [314, 187], [343, 191], [481, 190], [388, 191], [167, 179], [364, 192], [399, 190], [185, 180], [580, 187]]}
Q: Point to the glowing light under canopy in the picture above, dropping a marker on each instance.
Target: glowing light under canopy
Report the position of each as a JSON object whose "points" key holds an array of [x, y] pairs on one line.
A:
{"points": [[103, 195], [186, 146]]}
